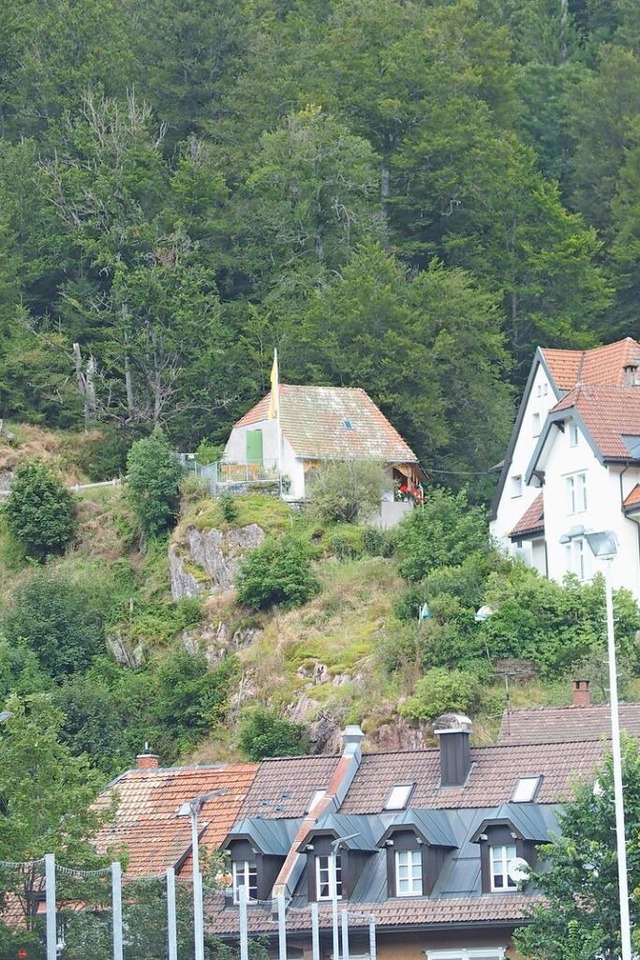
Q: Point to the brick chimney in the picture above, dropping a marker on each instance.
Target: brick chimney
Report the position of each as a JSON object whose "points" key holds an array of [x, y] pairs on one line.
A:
{"points": [[147, 760], [454, 730], [581, 694]]}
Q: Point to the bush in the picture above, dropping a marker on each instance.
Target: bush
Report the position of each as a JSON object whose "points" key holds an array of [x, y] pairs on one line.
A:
{"points": [[277, 572], [344, 491], [63, 622], [378, 543], [443, 532], [40, 512], [228, 507], [263, 733], [153, 479], [441, 691]]}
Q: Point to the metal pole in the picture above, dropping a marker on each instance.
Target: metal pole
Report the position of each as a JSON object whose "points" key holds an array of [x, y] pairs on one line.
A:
{"points": [[282, 928], [50, 884], [315, 932], [625, 924], [244, 923], [334, 904], [345, 935], [198, 912], [373, 951], [172, 931], [116, 901]]}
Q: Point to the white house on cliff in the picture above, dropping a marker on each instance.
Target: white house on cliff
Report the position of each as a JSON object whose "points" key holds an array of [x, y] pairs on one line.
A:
{"points": [[573, 463]]}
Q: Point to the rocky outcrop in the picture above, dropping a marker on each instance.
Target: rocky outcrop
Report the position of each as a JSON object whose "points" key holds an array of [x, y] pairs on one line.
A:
{"points": [[207, 561]]}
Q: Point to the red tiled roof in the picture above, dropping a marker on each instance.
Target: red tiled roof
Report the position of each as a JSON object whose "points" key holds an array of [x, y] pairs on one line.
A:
{"points": [[145, 821], [283, 787], [633, 498], [610, 413], [599, 366], [504, 907], [531, 521], [493, 777], [313, 421], [559, 724]]}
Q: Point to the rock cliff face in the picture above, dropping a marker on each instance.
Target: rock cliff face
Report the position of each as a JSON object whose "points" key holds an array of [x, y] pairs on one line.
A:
{"points": [[208, 561]]}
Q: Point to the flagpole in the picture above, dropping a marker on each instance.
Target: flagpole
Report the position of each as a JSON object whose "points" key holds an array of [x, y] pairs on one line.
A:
{"points": [[275, 400]]}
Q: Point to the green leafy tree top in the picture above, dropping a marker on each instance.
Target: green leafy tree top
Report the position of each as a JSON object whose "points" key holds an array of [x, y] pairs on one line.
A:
{"points": [[40, 512], [265, 734], [580, 919], [153, 475]]}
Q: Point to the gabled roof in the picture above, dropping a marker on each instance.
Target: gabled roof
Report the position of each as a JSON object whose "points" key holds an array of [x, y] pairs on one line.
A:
{"points": [[146, 822], [325, 423], [559, 724], [283, 787], [494, 773], [526, 819], [358, 832], [599, 366], [432, 825], [631, 502], [531, 523], [271, 837]]}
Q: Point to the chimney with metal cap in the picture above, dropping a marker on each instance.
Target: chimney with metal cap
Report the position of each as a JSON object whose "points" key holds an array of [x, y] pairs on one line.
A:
{"points": [[454, 730], [581, 693], [147, 760]]}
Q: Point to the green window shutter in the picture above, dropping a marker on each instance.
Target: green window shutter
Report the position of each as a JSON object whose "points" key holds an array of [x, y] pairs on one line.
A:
{"points": [[254, 446]]}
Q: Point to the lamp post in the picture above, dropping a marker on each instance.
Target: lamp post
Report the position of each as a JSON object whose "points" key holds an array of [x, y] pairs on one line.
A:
{"points": [[604, 547], [333, 880], [191, 808]]}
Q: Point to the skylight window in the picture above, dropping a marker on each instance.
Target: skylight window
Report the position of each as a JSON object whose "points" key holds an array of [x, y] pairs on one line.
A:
{"points": [[347, 424], [526, 789], [399, 796], [317, 795]]}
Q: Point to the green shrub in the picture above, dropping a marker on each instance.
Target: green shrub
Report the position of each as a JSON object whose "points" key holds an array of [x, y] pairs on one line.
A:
{"points": [[228, 507], [378, 543], [153, 480], [441, 691], [208, 452], [263, 733], [442, 532], [344, 491], [277, 572], [40, 512], [345, 542]]}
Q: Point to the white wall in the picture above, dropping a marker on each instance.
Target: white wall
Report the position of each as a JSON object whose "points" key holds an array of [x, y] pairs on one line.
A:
{"points": [[602, 512], [512, 507]]}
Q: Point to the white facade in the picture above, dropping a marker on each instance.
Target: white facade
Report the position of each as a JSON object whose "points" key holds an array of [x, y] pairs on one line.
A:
{"points": [[278, 455]]}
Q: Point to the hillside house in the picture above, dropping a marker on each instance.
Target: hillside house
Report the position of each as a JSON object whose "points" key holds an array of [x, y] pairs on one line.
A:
{"points": [[573, 463], [311, 425]]}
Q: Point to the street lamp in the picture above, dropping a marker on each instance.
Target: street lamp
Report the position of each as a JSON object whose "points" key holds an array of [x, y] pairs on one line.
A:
{"points": [[604, 547], [191, 808], [333, 879]]}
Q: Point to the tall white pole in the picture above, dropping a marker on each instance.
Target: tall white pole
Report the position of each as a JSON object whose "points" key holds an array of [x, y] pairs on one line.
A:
{"points": [[623, 889], [244, 923], [345, 935], [334, 904], [116, 909], [50, 888], [282, 928], [198, 912], [172, 933], [315, 932], [373, 953]]}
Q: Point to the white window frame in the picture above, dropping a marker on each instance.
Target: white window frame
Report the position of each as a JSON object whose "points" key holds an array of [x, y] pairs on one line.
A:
{"points": [[578, 558], [408, 864], [574, 434], [464, 953], [399, 796], [244, 873], [536, 425], [516, 485], [329, 874], [502, 855], [576, 487], [526, 789]]}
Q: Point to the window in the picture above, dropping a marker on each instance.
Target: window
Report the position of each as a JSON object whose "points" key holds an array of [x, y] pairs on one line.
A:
{"points": [[526, 789], [501, 860], [329, 877], [516, 485], [574, 434], [535, 425], [245, 875], [576, 493], [408, 873], [545, 389], [316, 798], [399, 796], [462, 953], [577, 556]]}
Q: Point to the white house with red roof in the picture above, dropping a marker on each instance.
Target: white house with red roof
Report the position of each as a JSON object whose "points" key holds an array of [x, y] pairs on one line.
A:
{"points": [[573, 463], [291, 436]]}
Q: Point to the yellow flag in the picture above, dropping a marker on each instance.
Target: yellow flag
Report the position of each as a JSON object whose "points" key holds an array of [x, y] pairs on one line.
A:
{"points": [[273, 402]]}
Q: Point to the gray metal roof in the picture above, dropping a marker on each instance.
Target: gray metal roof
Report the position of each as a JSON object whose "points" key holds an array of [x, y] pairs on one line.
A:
{"points": [[360, 832], [271, 837], [432, 825]]}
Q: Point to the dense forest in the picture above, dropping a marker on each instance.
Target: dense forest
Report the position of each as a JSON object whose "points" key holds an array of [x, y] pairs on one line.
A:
{"points": [[404, 195]]}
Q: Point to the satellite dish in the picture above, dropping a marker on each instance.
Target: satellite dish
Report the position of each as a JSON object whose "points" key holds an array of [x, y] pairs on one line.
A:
{"points": [[518, 870]]}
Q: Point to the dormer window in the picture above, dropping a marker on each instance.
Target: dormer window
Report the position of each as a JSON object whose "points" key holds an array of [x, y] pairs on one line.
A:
{"points": [[399, 796], [329, 877], [502, 858], [408, 873], [244, 874]]}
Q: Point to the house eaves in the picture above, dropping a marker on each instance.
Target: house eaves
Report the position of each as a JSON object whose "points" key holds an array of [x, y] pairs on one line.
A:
{"points": [[555, 419]]}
